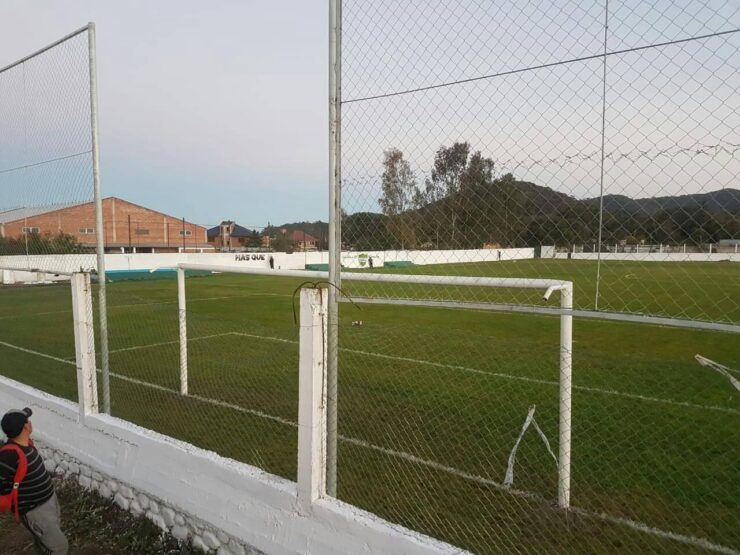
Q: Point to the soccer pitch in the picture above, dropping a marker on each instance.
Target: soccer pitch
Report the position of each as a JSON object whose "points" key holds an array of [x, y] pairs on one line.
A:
{"points": [[432, 400]]}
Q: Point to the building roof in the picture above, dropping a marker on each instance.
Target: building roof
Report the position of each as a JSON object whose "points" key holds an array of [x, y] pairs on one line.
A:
{"points": [[29, 212], [239, 231], [302, 237]]}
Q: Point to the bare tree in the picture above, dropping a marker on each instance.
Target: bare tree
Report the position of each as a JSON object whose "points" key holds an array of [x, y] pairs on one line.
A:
{"points": [[399, 192]]}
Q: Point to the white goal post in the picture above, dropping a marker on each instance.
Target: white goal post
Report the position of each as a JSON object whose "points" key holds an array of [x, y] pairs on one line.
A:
{"points": [[547, 286]]}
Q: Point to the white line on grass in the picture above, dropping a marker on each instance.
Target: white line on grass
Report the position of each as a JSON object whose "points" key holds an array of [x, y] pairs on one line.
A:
{"points": [[641, 527], [597, 390], [163, 343], [553, 383], [173, 342], [37, 353], [638, 526], [160, 387]]}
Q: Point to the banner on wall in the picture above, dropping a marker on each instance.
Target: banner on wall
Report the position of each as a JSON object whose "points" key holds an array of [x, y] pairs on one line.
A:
{"points": [[362, 260]]}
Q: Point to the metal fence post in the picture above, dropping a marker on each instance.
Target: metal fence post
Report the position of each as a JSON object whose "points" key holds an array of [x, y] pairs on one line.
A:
{"points": [[566, 395], [335, 236], [100, 230], [311, 398], [182, 317], [84, 333]]}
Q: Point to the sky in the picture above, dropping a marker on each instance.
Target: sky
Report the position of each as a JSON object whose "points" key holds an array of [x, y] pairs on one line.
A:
{"points": [[218, 110], [208, 110]]}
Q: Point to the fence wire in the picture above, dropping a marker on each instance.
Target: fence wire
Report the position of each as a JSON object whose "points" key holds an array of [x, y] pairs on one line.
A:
{"points": [[46, 160], [241, 399], [47, 213], [449, 424], [597, 143], [468, 139]]}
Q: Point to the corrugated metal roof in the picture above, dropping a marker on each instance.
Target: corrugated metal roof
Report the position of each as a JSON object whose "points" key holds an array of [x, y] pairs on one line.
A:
{"points": [[30, 212]]}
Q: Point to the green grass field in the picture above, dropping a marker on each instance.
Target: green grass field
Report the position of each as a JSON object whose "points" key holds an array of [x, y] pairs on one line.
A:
{"points": [[432, 400]]}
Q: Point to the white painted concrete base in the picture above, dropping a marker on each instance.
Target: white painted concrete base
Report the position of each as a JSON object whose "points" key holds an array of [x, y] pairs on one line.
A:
{"points": [[245, 504], [182, 526]]}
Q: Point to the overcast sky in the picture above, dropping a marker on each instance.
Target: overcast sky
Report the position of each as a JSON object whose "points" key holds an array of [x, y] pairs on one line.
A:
{"points": [[208, 110]]}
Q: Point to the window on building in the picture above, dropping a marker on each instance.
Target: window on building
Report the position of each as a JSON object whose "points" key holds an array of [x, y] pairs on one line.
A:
{"points": [[186, 233], [87, 230], [142, 231], [31, 230]]}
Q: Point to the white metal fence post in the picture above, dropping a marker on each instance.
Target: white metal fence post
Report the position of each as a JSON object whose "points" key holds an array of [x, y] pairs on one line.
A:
{"points": [[312, 397], [84, 332], [182, 317], [99, 224], [335, 232], [566, 395]]}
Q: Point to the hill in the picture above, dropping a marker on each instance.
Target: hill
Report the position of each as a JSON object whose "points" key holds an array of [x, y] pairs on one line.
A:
{"points": [[509, 212], [715, 202]]}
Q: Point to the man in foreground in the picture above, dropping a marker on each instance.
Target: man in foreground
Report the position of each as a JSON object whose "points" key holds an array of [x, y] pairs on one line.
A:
{"points": [[37, 501]]}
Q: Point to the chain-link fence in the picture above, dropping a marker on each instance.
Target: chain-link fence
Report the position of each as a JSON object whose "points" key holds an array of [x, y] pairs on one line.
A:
{"points": [[46, 159], [235, 388], [50, 222], [594, 143], [590, 144], [466, 135]]}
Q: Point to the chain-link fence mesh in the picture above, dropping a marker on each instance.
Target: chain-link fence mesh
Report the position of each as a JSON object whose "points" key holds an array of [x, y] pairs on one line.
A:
{"points": [[242, 364], [598, 144], [468, 138], [433, 434], [37, 345], [585, 143], [47, 213], [46, 159]]}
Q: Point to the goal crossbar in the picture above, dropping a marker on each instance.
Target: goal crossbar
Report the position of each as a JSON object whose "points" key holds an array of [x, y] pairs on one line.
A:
{"points": [[547, 286]]}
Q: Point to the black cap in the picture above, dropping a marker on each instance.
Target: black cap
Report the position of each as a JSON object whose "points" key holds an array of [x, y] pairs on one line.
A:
{"points": [[14, 420]]}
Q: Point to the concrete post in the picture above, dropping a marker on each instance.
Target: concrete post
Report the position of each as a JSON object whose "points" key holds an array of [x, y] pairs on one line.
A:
{"points": [[566, 396], [84, 332], [312, 398], [183, 326]]}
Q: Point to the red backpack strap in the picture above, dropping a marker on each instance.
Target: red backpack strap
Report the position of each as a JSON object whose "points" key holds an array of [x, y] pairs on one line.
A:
{"points": [[20, 474]]}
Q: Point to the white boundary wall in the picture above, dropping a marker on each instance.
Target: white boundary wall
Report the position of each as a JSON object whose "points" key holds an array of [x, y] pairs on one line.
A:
{"points": [[283, 261], [257, 508], [653, 256], [359, 259], [298, 260]]}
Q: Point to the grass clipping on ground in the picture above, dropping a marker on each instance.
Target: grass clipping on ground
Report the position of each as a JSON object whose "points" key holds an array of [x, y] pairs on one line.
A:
{"points": [[94, 525]]}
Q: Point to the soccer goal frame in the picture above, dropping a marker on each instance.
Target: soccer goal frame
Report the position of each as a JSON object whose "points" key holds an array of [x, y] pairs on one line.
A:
{"points": [[547, 286]]}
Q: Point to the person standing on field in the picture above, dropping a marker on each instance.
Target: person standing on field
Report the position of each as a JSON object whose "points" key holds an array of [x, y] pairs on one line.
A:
{"points": [[38, 505]]}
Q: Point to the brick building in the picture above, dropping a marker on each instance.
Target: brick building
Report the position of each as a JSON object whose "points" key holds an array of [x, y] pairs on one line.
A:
{"points": [[128, 226]]}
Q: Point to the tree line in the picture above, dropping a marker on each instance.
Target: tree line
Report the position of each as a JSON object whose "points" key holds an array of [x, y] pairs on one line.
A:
{"points": [[463, 204], [36, 243]]}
